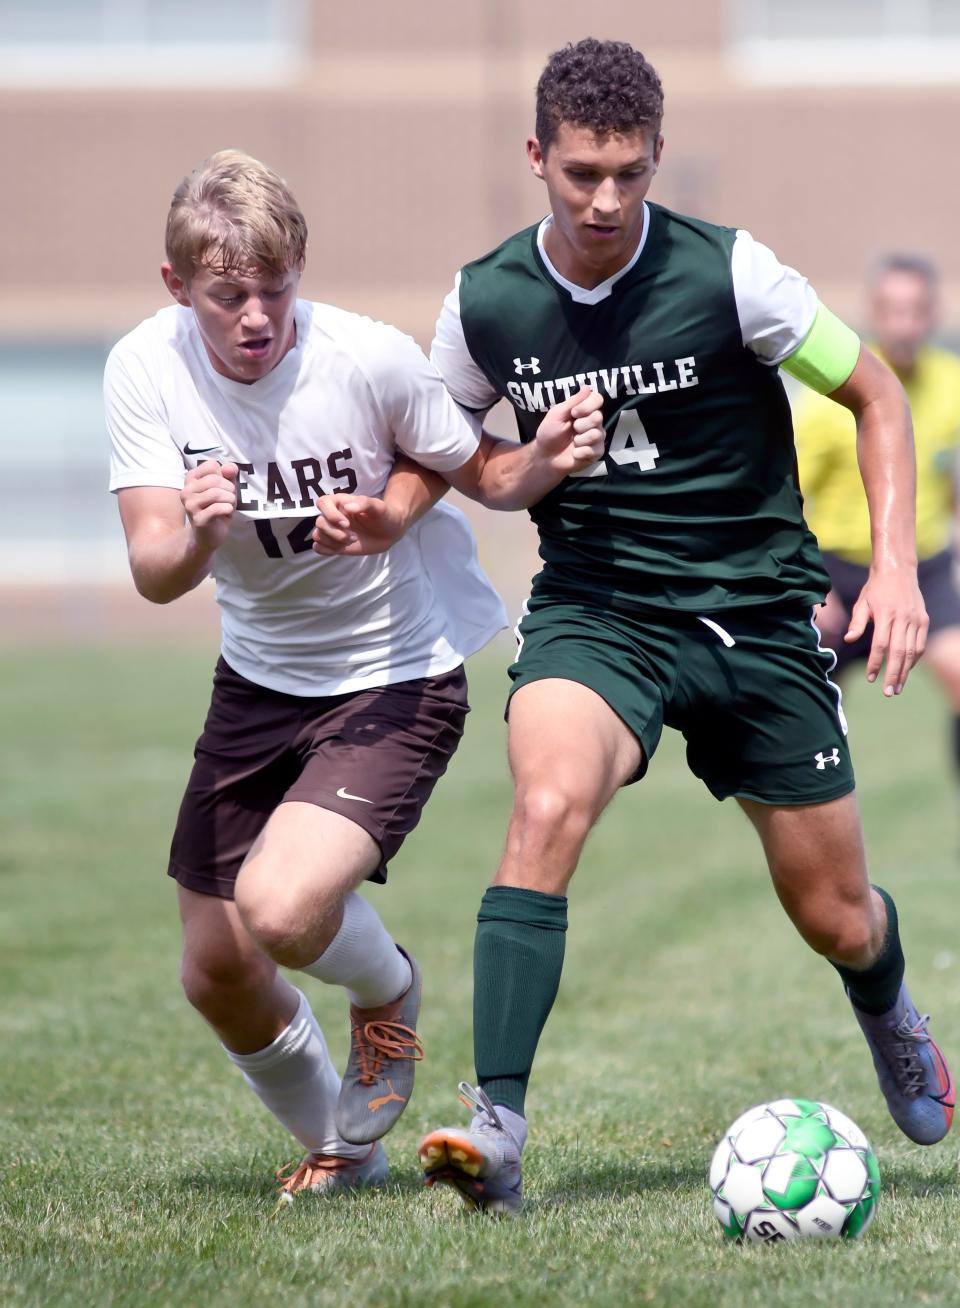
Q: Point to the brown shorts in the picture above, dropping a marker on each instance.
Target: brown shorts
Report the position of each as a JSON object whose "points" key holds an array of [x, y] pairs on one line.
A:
{"points": [[372, 755]]}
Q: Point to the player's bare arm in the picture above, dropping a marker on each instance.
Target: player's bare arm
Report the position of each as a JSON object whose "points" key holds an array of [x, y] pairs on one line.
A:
{"points": [[505, 475], [501, 474], [172, 535], [891, 597]]}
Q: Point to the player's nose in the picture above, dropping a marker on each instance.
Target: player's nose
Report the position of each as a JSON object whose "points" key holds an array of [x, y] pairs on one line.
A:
{"points": [[254, 316], [606, 198]]}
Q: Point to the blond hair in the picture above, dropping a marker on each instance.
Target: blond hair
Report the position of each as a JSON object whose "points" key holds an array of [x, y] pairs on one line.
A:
{"points": [[233, 213]]}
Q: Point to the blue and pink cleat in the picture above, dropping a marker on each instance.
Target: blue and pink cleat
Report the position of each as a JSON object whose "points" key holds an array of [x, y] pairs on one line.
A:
{"points": [[913, 1073]]}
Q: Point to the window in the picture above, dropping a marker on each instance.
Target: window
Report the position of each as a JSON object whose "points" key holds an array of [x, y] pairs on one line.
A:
{"points": [[159, 42], [59, 522], [847, 41]]}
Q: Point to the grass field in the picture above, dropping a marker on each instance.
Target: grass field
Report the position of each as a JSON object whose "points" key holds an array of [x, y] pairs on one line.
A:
{"points": [[137, 1169]]}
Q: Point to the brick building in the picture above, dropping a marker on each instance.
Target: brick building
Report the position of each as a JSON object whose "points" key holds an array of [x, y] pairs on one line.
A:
{"points": [[827, 128]]}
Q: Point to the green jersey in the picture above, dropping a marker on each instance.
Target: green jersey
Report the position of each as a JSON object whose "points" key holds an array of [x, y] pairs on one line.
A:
{"points": [[695, 504]]}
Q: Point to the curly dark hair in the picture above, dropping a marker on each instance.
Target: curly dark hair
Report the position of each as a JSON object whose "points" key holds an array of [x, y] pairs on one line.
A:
{"points": [[606, 86]]}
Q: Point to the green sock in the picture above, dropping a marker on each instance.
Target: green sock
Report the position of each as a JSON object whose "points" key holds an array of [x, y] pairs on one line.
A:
{"points": [[517, 960], [874, 990]]}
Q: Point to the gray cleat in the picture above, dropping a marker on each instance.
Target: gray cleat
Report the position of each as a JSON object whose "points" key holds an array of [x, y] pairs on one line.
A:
{"points": [[482, 1161], [384, 1051], [328, 1173]]}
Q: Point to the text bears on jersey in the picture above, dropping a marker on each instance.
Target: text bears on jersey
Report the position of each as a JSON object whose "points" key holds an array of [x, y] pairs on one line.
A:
{"points": [[625, 379], [340, 477]]}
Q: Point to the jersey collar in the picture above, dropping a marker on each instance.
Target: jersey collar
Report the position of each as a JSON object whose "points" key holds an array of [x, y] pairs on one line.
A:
{"points": [[580, 294]]}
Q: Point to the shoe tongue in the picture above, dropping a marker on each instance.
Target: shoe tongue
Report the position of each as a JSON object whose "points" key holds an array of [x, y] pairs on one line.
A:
{"points": [[477, 1099], [506, 1122], [515, 1124], [382, 1013]]}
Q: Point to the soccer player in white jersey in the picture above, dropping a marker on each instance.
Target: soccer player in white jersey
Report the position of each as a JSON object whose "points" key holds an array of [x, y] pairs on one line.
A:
{"points": [[339, 696]]}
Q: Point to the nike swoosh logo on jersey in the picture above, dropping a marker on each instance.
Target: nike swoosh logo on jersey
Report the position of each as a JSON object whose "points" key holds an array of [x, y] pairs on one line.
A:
{"points": [[207, 449], [344, 794]]}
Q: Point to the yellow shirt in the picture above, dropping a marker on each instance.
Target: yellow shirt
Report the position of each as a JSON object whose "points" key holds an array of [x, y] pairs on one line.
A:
{"points": [[834, 501]]}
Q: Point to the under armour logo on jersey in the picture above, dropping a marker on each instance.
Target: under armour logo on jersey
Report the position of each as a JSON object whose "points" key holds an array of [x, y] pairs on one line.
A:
{"points": [[823, 759], [521, 367]]}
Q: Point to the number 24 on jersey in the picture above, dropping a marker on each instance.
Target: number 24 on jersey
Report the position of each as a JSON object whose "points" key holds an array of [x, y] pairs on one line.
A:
{"points": [[629, 444]]}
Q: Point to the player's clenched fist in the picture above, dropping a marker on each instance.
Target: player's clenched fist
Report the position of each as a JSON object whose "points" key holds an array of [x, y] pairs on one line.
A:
{"points": [[355, 524], [209, 499], [571, 435]]}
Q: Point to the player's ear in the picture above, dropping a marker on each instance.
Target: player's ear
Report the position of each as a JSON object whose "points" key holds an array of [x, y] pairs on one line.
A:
{"points": [[175, 285], [535, 157], [657, 150]]}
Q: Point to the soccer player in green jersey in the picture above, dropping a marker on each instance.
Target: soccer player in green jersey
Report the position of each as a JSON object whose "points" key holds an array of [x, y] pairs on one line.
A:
{"points": [[678, 581]]}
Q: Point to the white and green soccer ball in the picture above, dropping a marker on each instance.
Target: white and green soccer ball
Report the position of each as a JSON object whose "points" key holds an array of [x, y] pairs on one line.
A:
{"points": [[794, 1168]]}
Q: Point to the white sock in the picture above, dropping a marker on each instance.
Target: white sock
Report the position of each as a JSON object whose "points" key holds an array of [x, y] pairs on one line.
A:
{"points": [[363, 958], [515, 1123], [295, 1079]]}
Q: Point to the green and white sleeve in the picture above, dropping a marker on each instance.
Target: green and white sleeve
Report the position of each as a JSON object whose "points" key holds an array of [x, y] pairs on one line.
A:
{"points": [[464, 379], [784, 324]]}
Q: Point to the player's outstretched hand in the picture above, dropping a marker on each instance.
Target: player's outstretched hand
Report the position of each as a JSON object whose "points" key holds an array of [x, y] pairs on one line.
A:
{"points": [[209, 499], [571, 435], [355, 524], [892, 602]]}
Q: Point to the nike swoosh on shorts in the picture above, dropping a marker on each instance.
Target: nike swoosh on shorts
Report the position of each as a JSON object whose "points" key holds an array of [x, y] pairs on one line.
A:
{"points": [[344, 794]]}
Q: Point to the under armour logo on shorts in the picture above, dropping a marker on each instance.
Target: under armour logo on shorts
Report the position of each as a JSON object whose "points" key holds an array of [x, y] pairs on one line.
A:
{"points": [[823, 759]]}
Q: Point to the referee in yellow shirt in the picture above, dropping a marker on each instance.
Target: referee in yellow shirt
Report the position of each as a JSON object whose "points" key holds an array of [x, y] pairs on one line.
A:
{"points": [[903, 315]]}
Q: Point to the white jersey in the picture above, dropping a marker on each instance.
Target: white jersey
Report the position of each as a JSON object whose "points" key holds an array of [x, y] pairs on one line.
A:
{"points": [[330, 417]]}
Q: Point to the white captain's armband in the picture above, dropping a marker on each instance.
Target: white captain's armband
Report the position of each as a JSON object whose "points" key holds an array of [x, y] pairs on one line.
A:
{"points": [[827, 356]]}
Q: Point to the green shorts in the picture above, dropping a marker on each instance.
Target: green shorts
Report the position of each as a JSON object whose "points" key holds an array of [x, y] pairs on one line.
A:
{"points": [[749, 689]]}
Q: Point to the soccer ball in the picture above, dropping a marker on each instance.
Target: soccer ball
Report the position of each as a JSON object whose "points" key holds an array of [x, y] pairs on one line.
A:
{"points": [[794, 1168]]}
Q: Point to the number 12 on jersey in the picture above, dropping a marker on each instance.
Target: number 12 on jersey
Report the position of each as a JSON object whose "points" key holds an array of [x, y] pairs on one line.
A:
{"points": [[629, 444]]}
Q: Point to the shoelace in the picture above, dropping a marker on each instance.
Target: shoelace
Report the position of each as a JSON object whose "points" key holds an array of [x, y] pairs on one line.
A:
{"points": [[904, 1040], [478, 1102], [294, 1176], [377, 1041]]}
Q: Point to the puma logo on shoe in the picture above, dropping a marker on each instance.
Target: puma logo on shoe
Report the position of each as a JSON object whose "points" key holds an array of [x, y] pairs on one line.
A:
{"points": [[384, 1051], [391, 1098]]}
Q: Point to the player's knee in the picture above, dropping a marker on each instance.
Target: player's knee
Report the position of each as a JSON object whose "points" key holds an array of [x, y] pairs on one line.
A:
{"points": [[286, 922], [218, 983], [841, 932], [273, 924], [551, 813]]}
